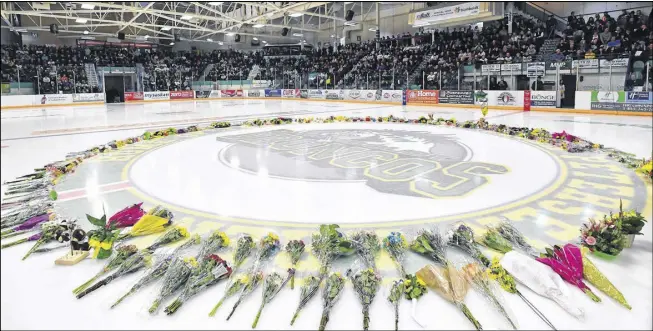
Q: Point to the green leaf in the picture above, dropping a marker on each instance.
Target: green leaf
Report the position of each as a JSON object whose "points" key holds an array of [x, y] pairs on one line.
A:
{"points": [[53, 195], [95, 221]]}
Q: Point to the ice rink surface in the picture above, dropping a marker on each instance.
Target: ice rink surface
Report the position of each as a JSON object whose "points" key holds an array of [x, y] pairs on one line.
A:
{"points": [[37, 295]]}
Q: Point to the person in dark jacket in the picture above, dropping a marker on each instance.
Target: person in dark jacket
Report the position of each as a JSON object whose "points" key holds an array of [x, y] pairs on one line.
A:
{"points": [[538, 85]]}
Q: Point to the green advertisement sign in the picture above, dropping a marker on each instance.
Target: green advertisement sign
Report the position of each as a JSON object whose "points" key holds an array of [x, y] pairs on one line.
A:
{"points": [[609, 96]]}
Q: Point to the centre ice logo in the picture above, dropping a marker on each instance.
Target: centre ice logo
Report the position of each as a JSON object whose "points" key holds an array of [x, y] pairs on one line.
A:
{"points": [[409, 163]]}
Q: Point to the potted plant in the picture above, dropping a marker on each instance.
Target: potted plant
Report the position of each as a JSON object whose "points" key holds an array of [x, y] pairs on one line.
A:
{"points": [[604, 238], [632, 223], [102, 238]]}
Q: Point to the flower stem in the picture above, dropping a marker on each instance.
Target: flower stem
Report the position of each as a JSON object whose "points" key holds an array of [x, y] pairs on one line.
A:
{"points": [[592, 295], [294, 316], [122, 298], [258, 315], [24, 240], [366, 317], [212, 313], [85, 285], [470, 317], [173, 307], [234, 308], [324, 320], [537, 311], [292, 282], [397, 317], [155, 306], [36, 245]]}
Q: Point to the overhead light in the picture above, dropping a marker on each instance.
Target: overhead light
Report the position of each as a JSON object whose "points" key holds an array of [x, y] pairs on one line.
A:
{"points": [[81, 20], [215, 3], [146, 36], [209, 39], [21, 30], [186, 17], [88, 6], [220, 43], [166, 28], [172, 43], [255, 38], [230, 34], [296, 14], [88, 37], [258, 25], [263, 41], [297, 34], [372, 29], [85, 31], [350, 23], [333, 36]]}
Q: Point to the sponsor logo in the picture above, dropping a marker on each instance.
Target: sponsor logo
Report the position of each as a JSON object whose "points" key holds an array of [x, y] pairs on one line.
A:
{"points": [[231, 93], [181, 94], [303, 94], [607, 96], [254, 93], [639, 97], [505, 98], [372, 156], [333, 96], [354, 94], [158, 95], [421, 96], [273, 93]]}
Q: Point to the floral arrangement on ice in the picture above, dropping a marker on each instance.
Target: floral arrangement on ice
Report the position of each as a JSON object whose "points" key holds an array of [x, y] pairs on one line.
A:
{"points": [[603, 236]]}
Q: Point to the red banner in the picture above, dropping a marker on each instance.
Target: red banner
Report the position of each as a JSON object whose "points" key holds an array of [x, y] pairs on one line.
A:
{"points": [[231, 93], [182, 94], [527, 100], [429, 97], [133, 96]]}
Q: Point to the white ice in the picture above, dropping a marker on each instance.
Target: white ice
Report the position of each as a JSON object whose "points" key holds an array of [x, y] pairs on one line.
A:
{"points": [[37, 295]]}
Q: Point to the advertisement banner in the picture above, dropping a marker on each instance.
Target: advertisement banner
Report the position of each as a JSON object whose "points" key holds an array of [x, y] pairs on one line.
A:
{"points": [[564, 65], [202, 94], [366, 95], [634, 107], [394, 95], [335, 95], [487, 68], [89, 97], [505, 98], [457, 97], [608, 96], [158, 95], [511, 67], [6, 87], [134, 96], [181, 94], [303, 94], [215, 94], [290, 93], [639, 97], [272, 93], [527, 100], [585, 64], [260, 83], [255, 93], [542, 98], [231, 93], [535, 69], [445, 13], [622, 62], [317, 94], [429, 97], [50, 99]]}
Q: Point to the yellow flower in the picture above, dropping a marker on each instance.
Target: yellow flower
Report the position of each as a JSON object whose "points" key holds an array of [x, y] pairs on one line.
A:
{"points": [[191, 261], [183, 231], [225, 239], [421, 282], [273, 236], [149, 224], [245, 280]]}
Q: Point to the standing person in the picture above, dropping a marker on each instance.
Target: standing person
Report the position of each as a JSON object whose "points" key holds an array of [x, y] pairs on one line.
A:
{"points": [[538, 85], [561, 88]]}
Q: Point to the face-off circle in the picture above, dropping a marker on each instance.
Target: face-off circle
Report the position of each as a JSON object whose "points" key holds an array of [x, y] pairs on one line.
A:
{"points": [[347, 173]]}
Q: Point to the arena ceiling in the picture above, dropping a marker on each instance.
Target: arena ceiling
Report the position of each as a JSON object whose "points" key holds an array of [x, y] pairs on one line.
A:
{"points": [[191, 20]]}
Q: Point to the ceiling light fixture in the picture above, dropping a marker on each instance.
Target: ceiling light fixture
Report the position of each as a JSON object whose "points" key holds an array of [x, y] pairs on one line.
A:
{"points": [[220, 43], [350, 23], [215, 3], [81, 20], [172, 43], [258, 25], [372, 29], [265, 42], [255, 38], [297, 34], [166, 28], [296, 14], [186, 17], [87, 6], [146, 36], [230, 34], [209, 39], [85, 31]]}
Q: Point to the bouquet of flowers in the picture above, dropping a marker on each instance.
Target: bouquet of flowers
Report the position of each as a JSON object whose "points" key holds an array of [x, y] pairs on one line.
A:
{"points": [[568, 263], [541, 280], [268, 247], [450, 284], [244, 247], [328, 244], [462, 237], [136, 262], [21, 215], [254, 280], [480, 280], [632, 222], [127, 217], [49, 231], [367, 246], [366, 283], [156, 220], [159, 269], [295, 249], [216, 241], [509, 232], [102, 238], [396, 293], [604, 236], [234, 288], [592, 274], [395, 244], [414, 288], [176, 276], [431, 244], [27, 226], [307, 292], [173, 234], [271, 286], [332, 290], [493, 239], [123, 253], [212, 270]]}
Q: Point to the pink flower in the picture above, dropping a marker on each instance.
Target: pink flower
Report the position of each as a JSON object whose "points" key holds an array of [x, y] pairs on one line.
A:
{"points": [[590, 241]]}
